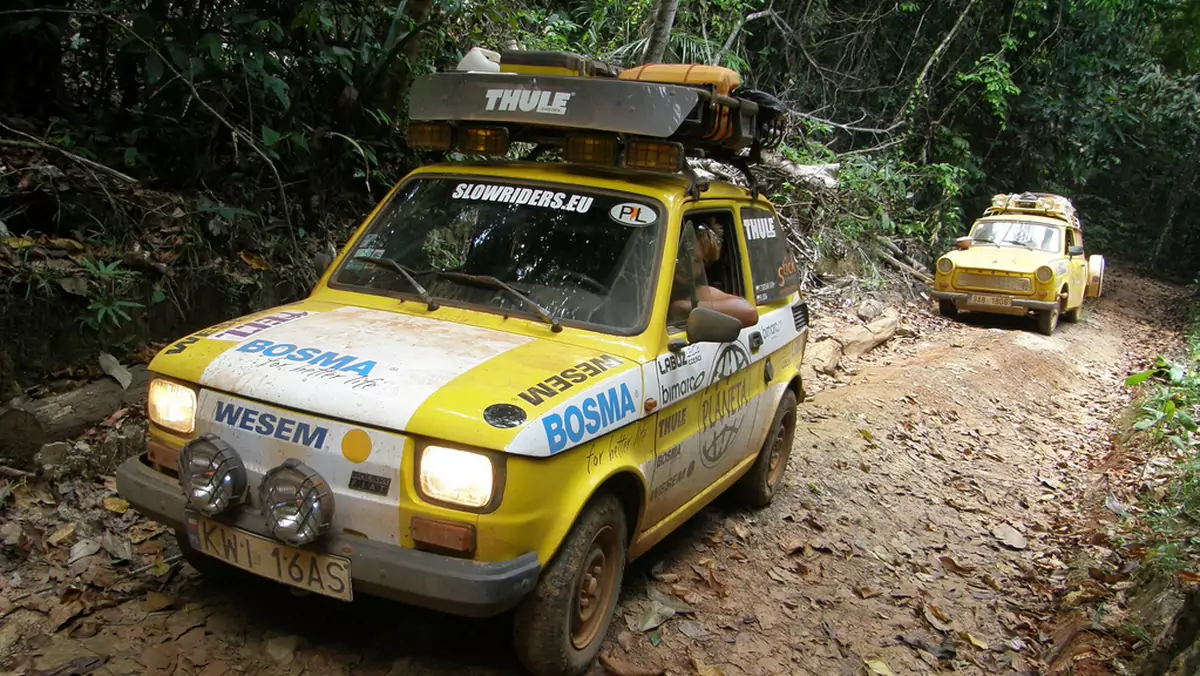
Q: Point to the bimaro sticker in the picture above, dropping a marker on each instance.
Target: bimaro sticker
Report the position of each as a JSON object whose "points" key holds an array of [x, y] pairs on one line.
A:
{"points": [[507, 194], [633, 214]]}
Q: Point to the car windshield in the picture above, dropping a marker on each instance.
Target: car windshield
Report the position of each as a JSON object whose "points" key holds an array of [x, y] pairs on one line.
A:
{"points": [[1019, 233], [580, 255]]}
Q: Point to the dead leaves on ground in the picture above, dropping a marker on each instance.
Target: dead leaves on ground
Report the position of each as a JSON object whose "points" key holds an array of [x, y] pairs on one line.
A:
{"points": [[618, 667]]}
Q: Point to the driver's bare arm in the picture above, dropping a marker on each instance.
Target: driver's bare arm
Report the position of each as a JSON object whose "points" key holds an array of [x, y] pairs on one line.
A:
{"points": [[727, 304]]}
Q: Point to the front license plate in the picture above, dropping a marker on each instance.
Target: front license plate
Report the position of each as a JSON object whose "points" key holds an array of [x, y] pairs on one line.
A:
{"points": [[317, 573], [999, 301]]}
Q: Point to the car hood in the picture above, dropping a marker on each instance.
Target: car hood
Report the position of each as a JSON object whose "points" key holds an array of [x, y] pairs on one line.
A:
{"points": [[1010, 258], [423, 375]]}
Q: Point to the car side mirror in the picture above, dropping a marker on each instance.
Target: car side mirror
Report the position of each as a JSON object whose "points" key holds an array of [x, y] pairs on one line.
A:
{"points": [[963, 243], [1075, 251], [705, 325], [322, 261]]}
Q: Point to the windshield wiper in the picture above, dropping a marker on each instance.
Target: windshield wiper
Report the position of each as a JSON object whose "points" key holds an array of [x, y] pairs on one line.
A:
{"points": [[404, 271], [495, 283]]}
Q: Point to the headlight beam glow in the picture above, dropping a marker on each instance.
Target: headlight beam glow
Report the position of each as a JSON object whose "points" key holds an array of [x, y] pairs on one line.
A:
{"points": [[455, 476], [172, 406]]}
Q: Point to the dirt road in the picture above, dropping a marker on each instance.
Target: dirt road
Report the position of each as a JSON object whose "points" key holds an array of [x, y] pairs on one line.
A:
{"points": [[927, 499]]}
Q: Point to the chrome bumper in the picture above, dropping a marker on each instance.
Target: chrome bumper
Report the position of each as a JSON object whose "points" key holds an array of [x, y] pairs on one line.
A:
{"points": [[965, 299]]}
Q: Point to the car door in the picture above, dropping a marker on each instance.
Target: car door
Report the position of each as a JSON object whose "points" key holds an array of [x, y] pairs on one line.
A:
{"points": [[1077, 269], [707, 398], [782, 331]]}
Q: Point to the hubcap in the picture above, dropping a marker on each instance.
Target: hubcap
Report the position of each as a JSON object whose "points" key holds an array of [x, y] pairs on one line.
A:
{"points": [[595, 588], [779, 451]]}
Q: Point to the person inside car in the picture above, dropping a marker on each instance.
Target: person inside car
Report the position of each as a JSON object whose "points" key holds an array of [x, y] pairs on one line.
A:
{"points": [[709, 236]]}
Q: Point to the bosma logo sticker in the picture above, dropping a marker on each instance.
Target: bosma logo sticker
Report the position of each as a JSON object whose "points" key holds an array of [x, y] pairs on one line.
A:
{"points": [[595, 414], [528, 101], [313, 356], [633, 214]]}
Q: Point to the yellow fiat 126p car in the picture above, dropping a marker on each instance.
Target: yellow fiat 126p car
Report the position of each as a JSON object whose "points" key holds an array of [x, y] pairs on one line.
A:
{"points": [[1025, 255], [516, 376]]}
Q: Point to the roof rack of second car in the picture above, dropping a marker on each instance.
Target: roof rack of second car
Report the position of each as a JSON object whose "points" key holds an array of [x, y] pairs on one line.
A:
{"points": [[651, 117], [1040, 203]]}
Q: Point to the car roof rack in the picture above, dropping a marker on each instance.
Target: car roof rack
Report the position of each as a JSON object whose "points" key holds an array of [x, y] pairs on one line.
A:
{"points": [[1039, 203], [650, 117]]}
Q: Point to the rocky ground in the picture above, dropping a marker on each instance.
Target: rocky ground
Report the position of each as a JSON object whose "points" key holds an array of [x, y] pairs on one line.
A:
{"points": [[929, 524]]}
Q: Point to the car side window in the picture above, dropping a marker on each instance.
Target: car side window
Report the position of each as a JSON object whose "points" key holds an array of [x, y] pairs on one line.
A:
{"points": [[708, 259], [773, 269], [689, 276], [719, 249], [1072, 239]]}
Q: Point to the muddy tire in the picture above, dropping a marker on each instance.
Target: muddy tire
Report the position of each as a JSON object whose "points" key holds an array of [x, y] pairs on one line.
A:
{"points": [[1073, 316], [1047, 320], [947, 309], [757, 488], [560, 626]]}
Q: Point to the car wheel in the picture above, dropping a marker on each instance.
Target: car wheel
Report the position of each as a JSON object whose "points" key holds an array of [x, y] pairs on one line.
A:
{"points": [[1047, 320], [561, 625], [1073, 316], [948, 309], [757, 488]]}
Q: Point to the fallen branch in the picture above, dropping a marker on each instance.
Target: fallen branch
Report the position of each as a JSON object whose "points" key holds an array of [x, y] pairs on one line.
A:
{"points": [[716, 58], [900, 253], [13, 473], [904, 267], [34, 144], [929, 64], [26, 427]]}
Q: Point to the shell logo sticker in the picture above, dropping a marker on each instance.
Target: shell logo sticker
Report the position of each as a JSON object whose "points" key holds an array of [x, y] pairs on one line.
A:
{"points": [[633, 214]]}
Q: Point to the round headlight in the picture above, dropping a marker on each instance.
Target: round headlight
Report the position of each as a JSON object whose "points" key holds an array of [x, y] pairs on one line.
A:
{"points": [[945, 265], [212, 474], [1045, 274], [296, 502]]}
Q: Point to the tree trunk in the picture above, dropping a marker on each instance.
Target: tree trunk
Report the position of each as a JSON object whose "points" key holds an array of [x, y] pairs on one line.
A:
{"points": [[664, 18], [399, 78], [1182, 188], [24, 429]]}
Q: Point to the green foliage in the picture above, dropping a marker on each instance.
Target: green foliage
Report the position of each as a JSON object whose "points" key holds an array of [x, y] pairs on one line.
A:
{"points": [[107, 285], [930, 107], [1169, 401], [886, 194], [992, 74]]}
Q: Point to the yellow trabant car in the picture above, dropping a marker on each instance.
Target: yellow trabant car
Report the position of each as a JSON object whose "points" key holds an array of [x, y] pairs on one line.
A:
{"points": [[515, 377], [1024, 256]]}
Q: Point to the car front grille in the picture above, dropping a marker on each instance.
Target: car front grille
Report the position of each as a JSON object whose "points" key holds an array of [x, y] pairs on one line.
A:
{"points": [[993, 282]]}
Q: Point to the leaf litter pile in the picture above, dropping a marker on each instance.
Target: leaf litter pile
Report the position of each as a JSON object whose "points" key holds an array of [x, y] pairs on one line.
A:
{"points": [[927, 526]]}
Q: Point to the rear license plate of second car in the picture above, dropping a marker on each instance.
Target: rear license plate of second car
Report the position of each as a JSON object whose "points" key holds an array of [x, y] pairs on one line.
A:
{"points": [[998, 301], [318, 573]]}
